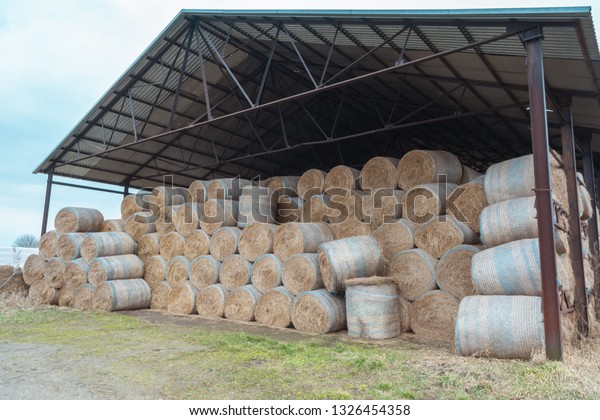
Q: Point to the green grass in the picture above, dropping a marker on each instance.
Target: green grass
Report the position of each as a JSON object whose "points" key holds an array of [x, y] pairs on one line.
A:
{"points": [[195, 362]]}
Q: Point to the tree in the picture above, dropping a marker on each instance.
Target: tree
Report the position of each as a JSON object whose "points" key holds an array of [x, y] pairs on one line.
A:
{"points": [[26, 241]]}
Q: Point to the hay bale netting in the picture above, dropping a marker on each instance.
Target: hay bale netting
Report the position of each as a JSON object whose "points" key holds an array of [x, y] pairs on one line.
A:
{"points": [[107, 244], [11, 282], [149, 245], [297, 238], [140, 224], [346, 205], [433, 315], [267, 273], [182, 300], [372, 308], [41, 293], [199, 191], [289, 209], [218, 213], [341, 177], [204, 271], [443, 233], [349, 258], [134, 203], [155, 270], [113, 225], [274, 308], [508, 327], [395, 236], [469, 174], [68, 245], [423, 202], [453, 271], [349, 228], [123, 295], [301, 273], [235, 272], [196, 244], [256, 240], [404, 309], [178, 271], [47, 246], [383, 206], [116, 267], [224, 242], [311, 183], [65, 296], [165, 196], [33, 269], [227, 188], [379, 172], [210, 301], [467, 202], [319, 312], [316, 208], [283, 185], [54, 272], [75, 273], [160, 296], [83, 297], [240, 304], [256, 204], [171, 245], [187, 218], [78, 219], [414, 272], [419, 167]]}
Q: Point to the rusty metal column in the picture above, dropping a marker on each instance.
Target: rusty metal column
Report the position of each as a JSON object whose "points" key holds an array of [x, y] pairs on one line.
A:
{"points": [[570, 166], [545, 206], [47, 201], [588, 174]]}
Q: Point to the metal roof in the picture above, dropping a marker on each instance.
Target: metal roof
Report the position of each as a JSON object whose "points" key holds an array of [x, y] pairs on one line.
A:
{"points": [[293, 89]]}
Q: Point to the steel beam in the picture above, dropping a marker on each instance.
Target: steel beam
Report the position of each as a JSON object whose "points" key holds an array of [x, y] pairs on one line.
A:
{"points": [[85, 187], [590, 180], [47, 201]]}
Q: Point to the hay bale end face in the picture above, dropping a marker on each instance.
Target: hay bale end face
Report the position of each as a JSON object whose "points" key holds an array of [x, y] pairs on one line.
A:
{"points": [[54, 272], [267, 273], [433, 315], [75, 274], [235, 272], [149, 246], [68, 246], [426, 166], [240, 304], [274, 308], [301, 273], [283, 185], [217, 213], [256, 240], [187, 218], [172, 245], [11, 282], [204, 271], [311, 183], [178, 271], [424, 202], [453, 271], [319, 312], [394, 237], [466, 203], [414, 272], [182, 300], [224, 242], [199, 191], [47, 244], [341, 177], [297, 238], [83, 297], [33, 269], [211, 301], [155, 270], [379, 172], [196, 244], [160, 296], [442, 234]]}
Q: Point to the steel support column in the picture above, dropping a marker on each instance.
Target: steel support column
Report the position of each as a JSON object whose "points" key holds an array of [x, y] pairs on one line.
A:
{"points": [[543, 191], [47, 201], [590, 178]]}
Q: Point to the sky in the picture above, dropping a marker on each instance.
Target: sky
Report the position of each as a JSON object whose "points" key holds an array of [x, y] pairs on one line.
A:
{"points": [[59, 57]]}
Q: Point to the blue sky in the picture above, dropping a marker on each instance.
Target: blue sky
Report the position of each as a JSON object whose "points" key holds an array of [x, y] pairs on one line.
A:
{"points": [[58, 57]]}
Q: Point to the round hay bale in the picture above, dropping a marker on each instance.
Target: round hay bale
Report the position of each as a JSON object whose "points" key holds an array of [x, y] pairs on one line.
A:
{"points": [[160, 296], [467, 202], [395, 236], [298, 238], [134, 203], [443, 233], [41, 293], [433, 315], [414, 272], [379, 172], [453, 271], [196, 244], [116, 267], [319, 312], [301, 274], [274, 308], [47, 244], [383, 206], [423, 202], [257, 204], [68, 246], [137, 228], [419, 167], [166, 222], [182, 300], [75, 274], [240, 304], [107, 244], [83, 297], [341, 177], [204, 271], [149, 246], [33, 269], [113, 225], [211, 301], [348, 258], [404, 308], [311, 183], [170, 196], [65, 296], [235, 272], [372, 308], [509, 327], [178, 271], [227, 188], [187, 218], [469, 175], [266, 273], [316, 208], [256, 240], [199, 191], [172, 245], [224, 242], [12, 283], [289, 209], [123, 295], [568, 284], [345, 205], [283, 185], [54, 271], [155, 270], [350, 228], [78, 219], [586, 208], [218, 213]]}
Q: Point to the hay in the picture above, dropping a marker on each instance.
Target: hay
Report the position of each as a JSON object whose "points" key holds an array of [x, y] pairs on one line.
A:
{"points": [[75, 273], [78, 219], [224, 242], [350, 228], [166, 222], [211, 301], [241, 303], [256, 240], [316, 209], [235, 272], [134, 203], [160, 296], [443, 233], [453, 271], [149, 246], [349, 258], [54, 271], [256, 204], [275, 308], [196, 244], [283, 185], [301, 274], [172, 245], [297, 238], [414, 272], [289, 209], [165, 196], [204, 271], [467, 202], [433, 315], [155, 270], [404, 308], [379, 172], [65, 297], [419, 167], [469, 175], [423, 202], [218, 213], [33, 269], [11, 282], [116, 267], [182, 300], [383, 206], [227, 189], [311, 183], [47, 244], [106, 244], [187, 218], [199, 191], [319, 312], [83, 297], [113, 225], [123, 295], [267, 273], [68, 246], [395, 236], [341, 177], [568, 278], [136, 227], [41, 293], [347, 205], [178, 272]]}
